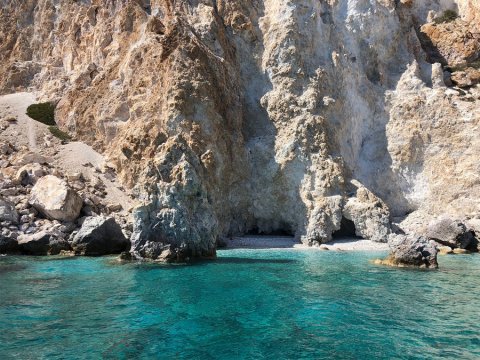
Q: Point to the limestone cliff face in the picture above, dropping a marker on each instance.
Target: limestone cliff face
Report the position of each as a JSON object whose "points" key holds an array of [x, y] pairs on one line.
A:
{"points": [[229, 117]]}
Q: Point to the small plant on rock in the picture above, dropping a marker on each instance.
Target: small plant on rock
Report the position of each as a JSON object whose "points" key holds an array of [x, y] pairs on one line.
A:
{"points": [[42, 112], [446, 17], [59, 133]]}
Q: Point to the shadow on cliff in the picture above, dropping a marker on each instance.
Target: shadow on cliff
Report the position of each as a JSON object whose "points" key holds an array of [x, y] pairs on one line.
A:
{"points": [[264, 185]]}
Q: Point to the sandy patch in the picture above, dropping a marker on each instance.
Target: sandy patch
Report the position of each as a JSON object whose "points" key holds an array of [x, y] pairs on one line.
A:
{"points": [[286, 242]]}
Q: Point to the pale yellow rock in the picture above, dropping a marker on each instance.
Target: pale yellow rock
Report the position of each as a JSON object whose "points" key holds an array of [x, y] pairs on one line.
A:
{"points": [[444, 250]]}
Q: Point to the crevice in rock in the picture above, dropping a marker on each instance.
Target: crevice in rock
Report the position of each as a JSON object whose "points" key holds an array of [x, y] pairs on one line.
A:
{"points": [[147, 7]]}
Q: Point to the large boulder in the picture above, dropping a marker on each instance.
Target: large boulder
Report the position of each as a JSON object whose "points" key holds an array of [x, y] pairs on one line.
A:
{"points": [[42, 243], [100, 235], [369, 214], [452, 232], [8, 211], [411, 251], [53, 198], [34, 244]]}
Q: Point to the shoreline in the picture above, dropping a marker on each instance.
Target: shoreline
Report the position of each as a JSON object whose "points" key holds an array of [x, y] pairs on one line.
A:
{"points": [[289, 243]]}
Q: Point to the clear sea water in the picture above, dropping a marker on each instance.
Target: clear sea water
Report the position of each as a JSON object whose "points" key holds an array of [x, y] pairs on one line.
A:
{"points": [[248, 304]]}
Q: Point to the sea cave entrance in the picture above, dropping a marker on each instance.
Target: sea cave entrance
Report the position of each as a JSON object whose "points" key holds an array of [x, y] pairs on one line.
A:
{"points": [[277, 232], [347, 230], [268, 237]]}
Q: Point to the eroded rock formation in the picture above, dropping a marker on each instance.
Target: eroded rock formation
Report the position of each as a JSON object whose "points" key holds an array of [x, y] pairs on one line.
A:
{"points": [[233, 116]]}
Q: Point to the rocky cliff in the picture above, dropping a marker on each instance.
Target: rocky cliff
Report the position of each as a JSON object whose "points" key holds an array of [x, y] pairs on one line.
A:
{"points": [[234, 117]]}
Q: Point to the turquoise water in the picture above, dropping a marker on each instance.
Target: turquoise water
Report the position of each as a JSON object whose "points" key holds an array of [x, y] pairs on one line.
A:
{"points": [[247, 305]]}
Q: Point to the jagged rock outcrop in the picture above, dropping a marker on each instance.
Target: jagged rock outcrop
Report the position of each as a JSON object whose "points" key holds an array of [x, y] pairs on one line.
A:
{"points": [[369, 214], [453, 233], [411, 251], [100, 235], [227, 117], [456, 46]]}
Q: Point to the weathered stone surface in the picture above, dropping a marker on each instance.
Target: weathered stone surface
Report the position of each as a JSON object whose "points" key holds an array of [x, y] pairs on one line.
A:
{"points": [[369, 214], [55, 199], [411, 251], [226, 117], [8, 211], [100, 235], [467, 77], [455, 45], [452, 232]]}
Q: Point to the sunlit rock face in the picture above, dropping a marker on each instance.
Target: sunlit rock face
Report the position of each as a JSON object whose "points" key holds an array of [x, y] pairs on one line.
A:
{"points": [[229, 117]]}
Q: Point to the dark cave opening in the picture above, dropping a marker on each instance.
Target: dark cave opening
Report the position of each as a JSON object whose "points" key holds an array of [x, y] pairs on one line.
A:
{"points": [[281, 231], [347, 230]]}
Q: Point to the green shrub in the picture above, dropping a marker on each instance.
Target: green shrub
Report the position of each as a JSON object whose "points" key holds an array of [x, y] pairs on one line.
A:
{"points": [[59, 133], [447, 16], [42, 112]]}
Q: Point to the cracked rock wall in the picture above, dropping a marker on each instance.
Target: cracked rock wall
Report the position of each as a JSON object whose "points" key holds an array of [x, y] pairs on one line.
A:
{"points": [[228, 117]]}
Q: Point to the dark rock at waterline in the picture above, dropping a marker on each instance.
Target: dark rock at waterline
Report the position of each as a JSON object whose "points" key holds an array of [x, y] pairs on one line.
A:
{"points": [[412, 251], [8, 245], [126, 256], [56, 246], [169, 253], [100, 235], [453, 233], [40, 243], [34, 244]]}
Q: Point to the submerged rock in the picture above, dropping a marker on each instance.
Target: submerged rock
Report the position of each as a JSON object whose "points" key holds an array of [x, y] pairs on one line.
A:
{"points": [[55, 199], [411, 251], [100, 235]]}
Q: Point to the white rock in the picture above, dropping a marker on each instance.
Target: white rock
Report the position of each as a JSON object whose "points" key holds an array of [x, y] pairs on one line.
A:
{"points": [[55, 199]]}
